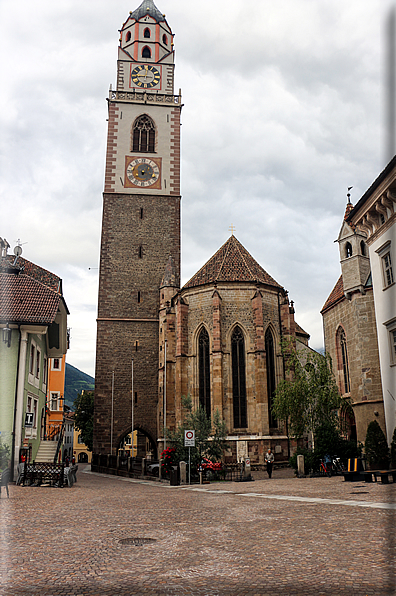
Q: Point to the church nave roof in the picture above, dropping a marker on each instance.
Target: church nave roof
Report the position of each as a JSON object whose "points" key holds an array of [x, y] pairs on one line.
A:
{"points": [[231, 263]]}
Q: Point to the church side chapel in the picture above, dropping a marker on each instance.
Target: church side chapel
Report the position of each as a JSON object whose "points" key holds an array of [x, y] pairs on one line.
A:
{"points": [[221, 337], [217, 338]]}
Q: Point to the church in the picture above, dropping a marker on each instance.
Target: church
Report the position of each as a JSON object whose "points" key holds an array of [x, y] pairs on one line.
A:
{"points": [[217, 338]]}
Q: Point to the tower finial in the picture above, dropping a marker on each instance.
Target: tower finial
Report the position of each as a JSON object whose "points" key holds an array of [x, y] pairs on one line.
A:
{"points": [[349, 194]]}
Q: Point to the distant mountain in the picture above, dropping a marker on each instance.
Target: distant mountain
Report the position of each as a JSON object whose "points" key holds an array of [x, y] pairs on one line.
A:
{"points": [[75, 381]]}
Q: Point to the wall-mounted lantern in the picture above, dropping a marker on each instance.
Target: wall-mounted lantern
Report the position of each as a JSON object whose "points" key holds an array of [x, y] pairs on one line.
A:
{"points": [[7, 335]]}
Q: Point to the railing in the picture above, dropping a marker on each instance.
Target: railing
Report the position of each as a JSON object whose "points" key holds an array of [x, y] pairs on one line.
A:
{"points": [[144, 97], [53, 431], [60, 441]]}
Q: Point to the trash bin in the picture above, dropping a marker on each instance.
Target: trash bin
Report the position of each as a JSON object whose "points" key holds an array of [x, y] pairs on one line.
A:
{"points": [[173, 477]]}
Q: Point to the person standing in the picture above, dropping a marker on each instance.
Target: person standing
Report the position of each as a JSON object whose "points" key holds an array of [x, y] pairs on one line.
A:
{"points": [[269, 460]]}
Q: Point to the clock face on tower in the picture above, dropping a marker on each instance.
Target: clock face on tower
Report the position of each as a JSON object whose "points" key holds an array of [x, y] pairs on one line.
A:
{"points": [[142, 172], [145, 76]]}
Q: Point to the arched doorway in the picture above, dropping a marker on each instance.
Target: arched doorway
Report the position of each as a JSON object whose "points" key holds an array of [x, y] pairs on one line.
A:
{"points": [[139, 445]]}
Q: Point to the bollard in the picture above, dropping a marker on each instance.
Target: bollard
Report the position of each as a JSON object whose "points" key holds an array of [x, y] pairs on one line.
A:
{"points": [[183, 472], [300, 465], [160, 469], [143, 466]]}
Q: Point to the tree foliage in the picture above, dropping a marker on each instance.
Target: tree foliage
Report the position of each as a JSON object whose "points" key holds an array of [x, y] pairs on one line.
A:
{"points": [[311, 397], [83, 417], [376, 446], [4, 455], [393, 450], [210, 435]]}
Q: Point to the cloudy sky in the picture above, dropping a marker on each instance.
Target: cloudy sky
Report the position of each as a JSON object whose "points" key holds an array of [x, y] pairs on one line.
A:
{"points": [[284, 109]]}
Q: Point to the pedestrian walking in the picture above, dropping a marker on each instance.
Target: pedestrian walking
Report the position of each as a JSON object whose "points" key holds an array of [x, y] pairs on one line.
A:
{"points": [[269, 460]]}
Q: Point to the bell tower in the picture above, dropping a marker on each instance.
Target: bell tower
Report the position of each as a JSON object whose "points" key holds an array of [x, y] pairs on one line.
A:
{"points": [[140, 227]]}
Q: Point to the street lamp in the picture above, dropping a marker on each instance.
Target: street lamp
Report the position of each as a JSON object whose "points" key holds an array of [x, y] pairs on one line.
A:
{"points": [[7, 335]]}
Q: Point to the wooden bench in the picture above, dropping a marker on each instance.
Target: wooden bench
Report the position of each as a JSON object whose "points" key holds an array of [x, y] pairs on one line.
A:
{"points": [[381, 475]]}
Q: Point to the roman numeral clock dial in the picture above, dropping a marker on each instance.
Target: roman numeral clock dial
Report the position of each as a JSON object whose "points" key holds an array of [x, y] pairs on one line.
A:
{"points": [[145, 76], [142, 172]]}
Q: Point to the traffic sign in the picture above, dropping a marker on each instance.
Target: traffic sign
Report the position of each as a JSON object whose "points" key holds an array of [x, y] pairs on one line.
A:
{"points": [[189, 438]]}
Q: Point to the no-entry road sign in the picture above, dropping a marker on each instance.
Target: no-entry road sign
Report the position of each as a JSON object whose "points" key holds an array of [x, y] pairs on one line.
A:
{"points": [[189, 438]]}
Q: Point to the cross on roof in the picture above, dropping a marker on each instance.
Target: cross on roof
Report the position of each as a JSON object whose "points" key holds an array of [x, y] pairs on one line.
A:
{"points": [[232, 229]]}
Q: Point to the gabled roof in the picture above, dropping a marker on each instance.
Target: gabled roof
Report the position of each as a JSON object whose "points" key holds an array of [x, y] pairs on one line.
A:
{"points": [[300, 331], [336, 295], [231, 263], [148, 7], [25, 300], [48, 279]]}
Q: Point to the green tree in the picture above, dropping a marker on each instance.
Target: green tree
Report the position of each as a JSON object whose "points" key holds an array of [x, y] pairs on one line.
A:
{"points": [[311, 398], [210, 435], [376, 446], [83, 416], [4, 455], [393, 450]]}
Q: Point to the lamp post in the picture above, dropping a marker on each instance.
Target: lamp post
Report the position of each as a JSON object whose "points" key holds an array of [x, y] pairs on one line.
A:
{"points": [[165, 396], [132, 410]]}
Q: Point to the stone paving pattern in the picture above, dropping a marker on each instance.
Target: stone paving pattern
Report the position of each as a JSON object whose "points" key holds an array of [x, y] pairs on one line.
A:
{"points": [[252, 539]]}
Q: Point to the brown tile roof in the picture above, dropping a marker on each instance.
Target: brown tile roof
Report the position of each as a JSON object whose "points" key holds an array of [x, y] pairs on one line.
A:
{"points": [[25, 300], [231, 263], [45, 277], [300, 331], [336, 295]]}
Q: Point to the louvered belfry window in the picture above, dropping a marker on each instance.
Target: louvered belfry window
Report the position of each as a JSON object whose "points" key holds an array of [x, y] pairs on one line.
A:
{"points": [[143, 137], [238, 378], [204, 372]]}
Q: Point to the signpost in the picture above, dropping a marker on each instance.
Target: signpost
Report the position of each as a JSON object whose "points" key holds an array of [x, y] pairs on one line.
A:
{"points": [[189, 441], [29, 416]]}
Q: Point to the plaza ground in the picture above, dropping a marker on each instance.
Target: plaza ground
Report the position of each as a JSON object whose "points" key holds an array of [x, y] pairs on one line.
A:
{"points": [[119, 537]]}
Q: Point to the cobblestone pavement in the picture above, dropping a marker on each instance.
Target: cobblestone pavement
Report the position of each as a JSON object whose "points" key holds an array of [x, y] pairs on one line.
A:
{"points": [[278, 537]]}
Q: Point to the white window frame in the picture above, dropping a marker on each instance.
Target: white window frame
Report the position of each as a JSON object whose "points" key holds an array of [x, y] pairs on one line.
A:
{"points": [[53, 364], [32, 404], [391, 329], [54, 395], [384, 253]]}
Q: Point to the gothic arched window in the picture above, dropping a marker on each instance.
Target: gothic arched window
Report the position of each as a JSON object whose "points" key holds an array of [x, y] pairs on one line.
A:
{"points": [[146, 52], [143, 135], [238, 378], [128, 36], [363, 248], [204, 371], [271, 385], [147, 33], [342, 356]]}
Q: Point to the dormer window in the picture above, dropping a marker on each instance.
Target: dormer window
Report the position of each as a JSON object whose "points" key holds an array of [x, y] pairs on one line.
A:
{"points": [[147, 33], [128, 36], [348, 250], [146, 53]]}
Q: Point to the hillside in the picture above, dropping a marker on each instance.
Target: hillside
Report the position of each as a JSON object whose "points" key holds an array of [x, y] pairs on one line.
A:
{"points": [[75, 381]]}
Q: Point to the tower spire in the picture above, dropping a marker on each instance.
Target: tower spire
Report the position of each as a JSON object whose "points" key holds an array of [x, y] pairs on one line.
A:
{"points": [[148, 7]]}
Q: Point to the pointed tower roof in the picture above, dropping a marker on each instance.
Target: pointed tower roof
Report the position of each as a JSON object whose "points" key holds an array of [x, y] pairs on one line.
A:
{"points": [[231, 263], [169, 279], [148, 7]]}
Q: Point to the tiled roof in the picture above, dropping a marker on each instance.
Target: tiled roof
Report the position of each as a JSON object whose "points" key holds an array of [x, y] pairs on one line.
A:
{"points": [[336, 295], [300, 331], [45, 277], [231, 263], [25, 300]]}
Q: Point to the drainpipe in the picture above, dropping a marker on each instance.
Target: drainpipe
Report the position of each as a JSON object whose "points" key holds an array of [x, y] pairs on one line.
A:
{"points": [[18, 414], [15, 408]]}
